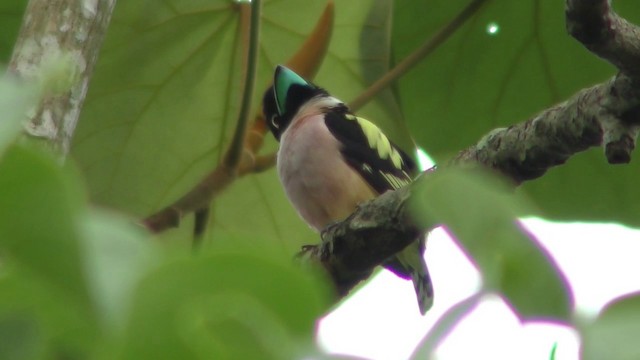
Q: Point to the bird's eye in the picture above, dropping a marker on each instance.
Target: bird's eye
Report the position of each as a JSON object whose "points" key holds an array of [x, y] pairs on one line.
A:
{"points": [[274, 121]]}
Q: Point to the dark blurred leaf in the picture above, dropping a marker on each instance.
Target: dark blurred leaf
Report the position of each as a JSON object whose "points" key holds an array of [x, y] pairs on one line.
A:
{"points": [[40, 318], [10, 20], [613, 335], [19, 337], [44, 286], [481, 214], [479, 80]]}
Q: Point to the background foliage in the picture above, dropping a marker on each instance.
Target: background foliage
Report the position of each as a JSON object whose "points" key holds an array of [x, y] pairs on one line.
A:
{"points": [[478, 81], [79, 281]]}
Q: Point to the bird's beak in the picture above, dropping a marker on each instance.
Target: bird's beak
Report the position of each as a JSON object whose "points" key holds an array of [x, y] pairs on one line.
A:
{"points": [[284, 79]]}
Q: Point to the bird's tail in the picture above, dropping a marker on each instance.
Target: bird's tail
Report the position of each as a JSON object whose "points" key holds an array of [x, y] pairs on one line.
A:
{"points": [[424, 287], [410, 264]]}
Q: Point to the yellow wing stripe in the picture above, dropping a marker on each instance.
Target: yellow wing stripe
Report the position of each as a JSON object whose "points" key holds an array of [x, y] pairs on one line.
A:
{"points": [[378, 141], [394, 181]]}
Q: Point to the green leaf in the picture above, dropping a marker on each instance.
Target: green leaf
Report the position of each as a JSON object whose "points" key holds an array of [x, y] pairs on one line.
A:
{"points": [[10, 19], [116, 255], [43, 293], [478, 81], [235, 325], [39, 205], [481, 215], [225, 305], [37, 318], [162, 101], [19, 337], [613, 334]]}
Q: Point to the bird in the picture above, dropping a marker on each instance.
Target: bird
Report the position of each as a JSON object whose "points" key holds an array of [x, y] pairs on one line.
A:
{"points": [[329, 161]]}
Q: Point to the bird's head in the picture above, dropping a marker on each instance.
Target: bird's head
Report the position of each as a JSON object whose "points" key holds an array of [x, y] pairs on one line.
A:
{"points": [[283, 100]]}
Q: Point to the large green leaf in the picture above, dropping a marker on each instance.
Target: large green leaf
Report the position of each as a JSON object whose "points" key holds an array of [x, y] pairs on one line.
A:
{"points": [[161, 101], [479, 80], [164, 101]]}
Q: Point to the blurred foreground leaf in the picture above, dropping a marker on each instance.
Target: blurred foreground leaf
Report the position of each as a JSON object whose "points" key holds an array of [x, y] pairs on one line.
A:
{"points": [[39, 205], [15, 99], [76, 282], [481, 215], [116, 254], [225, 306], [613, 335]]}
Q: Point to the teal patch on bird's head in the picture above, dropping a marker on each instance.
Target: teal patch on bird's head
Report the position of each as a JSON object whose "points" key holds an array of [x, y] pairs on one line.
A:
{"points": [[283, 80], [284, 99]]}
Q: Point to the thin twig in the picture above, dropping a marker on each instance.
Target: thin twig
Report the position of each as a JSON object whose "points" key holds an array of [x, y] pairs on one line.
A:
{"points": [[234, 154]]}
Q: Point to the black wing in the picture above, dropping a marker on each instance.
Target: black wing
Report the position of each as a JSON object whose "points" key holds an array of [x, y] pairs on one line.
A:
{"points": [[378, 160]]}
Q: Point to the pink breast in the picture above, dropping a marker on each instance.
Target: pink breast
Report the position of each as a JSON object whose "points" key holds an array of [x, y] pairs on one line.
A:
{"points": [[319, 184]]}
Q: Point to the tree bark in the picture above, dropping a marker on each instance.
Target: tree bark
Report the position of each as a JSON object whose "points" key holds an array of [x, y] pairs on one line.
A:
{"points": [[72, 30]]}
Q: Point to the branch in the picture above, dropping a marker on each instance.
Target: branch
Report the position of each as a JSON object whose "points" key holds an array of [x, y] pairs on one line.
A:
{"points": [[605, 34], [352, 248], [606, 115], [213, 183], [53, 30]]}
